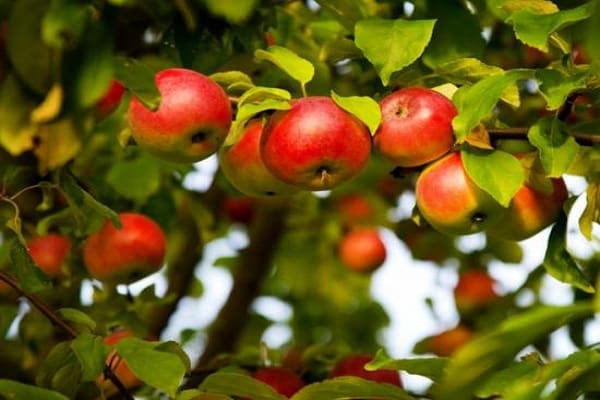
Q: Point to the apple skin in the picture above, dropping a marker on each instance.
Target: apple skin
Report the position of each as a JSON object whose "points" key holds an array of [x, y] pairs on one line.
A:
{"points": [[474, 289], [110, 101], [362, 250], [191, 122], [128, 254], [283, 380], [416, 126], [239, 209], [354, 209], [446, 343], [244, 168], [119, 366], [451, 202], [353, 365], [49, 252], [315, 145], [530, 211]]}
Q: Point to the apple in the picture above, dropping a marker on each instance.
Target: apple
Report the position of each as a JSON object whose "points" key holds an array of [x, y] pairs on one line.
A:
{"points": [[191, 122], [283, 380], [530, 211], [362, 250], [451, 202], [474, 289], [315, 145], [109, 101], [239, 209], [119, 366], [127, 254], [354, 365], [244, 168], [416, 126], [49, 252], [579, 54], [354, 209], [446, 343]]}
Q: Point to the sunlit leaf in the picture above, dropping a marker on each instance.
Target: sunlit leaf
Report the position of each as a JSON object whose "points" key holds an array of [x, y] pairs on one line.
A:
{"points": [[57, 143], [251, 110], [31, 278], [430, 367], [591, 213], [555, 86], [91, 353], [234, 11], [350, 388], [557, 149], [362, 107], [16, 129], [292, 64]]}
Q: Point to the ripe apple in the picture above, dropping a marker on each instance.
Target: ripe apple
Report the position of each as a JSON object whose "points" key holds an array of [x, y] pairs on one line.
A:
{"points": [[244, 168], [475, 288], [118, 365], [354, 209], [362, 250], [416, 126], [354, 365], [530, 211], [445, 343], [49, 252], [451, 202], [315, 145], [110, 101], [127, 254], [191, 122], [283, 380], [239, 209]]}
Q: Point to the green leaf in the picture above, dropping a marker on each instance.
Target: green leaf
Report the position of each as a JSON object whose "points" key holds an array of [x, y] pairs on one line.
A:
{"points": [[559, 263], [350, 388], [487, 353], [139, 79], [13, 390], [556, 85], [534, 29], [498, 173], [591, 213], [499, 382], [240, 385], [135, 179], [430, 367], [77, 317], [260, 93], [557, 149], [64, 23], [142, 358], [8, 313], [231, 79], [59, 142], [60, 370], [31, 278], [295, 66], [391, 45], [362, 107], [195, 394], [477, 101], [91, 353], [248, 111], [346, 12], [234, 11], [16, 129]]}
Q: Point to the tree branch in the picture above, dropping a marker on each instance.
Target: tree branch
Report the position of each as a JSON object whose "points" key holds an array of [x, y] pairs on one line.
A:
{"points": [[521, 133]]}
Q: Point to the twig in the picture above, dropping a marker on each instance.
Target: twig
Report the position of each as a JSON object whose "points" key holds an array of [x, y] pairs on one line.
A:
{"points": [[521, 133]]}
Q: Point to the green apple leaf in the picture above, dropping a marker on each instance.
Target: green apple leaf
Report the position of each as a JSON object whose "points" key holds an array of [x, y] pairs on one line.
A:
{"points": [[559, 263], [31, 278], [477, 101], [16, 129], [391, 45], [346, 12], [349, 387], [139, 79], [556, 85], [77, 317], [59, 142], [503, 8], [430, 367], [362, 107], [251, 110], [91, 353], [501, 381], [498, 173], [195, 394], [479, 359], [60, 370], [557, 149], [300, 69], [136, 179], [258, 94], [534, 28], [232, 80], [64, 23], [591, 213], [234, 11], [239, 385], [20, 391]]}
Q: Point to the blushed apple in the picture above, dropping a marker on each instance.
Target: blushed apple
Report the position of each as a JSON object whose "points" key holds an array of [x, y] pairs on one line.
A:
{"points": [[49, 252], [354, 365], [110, 101], [475, 288], [362, 249], [283, 380]]}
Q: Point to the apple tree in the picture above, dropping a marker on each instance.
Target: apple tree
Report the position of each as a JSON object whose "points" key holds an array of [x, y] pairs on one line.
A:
{"points": [[136, 134]]}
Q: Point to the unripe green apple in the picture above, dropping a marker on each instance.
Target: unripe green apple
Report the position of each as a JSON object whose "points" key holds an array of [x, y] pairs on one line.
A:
{"points": [[530, 211], [451, 202], [109, 101], [315, 145], [475, 289], [127, 254], [244, 168], [416, 126], [191, 122], [283, 380], [49, 252], [354, 365], [362, 250]]}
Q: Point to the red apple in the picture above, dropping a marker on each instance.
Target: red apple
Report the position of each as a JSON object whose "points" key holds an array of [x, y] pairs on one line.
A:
{"points": [[191, 122], [354, 365], [283, 380], [244, 168], [49, 252], [239, 209], [315, 145], [354, 209], [475, 288], [362, 250], [446, 343], [118, 365], [451, 202], [110, 101], [127, 254], [416, 126]]}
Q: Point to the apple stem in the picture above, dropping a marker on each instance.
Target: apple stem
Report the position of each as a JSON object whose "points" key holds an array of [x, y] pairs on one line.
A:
{"points": [[325, 177]]}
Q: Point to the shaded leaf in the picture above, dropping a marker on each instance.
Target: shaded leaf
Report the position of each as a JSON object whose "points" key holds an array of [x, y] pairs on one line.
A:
{"points": [[556, 85], [135, 179], [139, 79], [60, 370], [31, 278], [234, 11], [362, 107], [16, 129], [64, 23], [346, 12], [236, 384], [91, 353], [557, 149], [57, 143], [350, 388], [14, 390], [77, 317]]}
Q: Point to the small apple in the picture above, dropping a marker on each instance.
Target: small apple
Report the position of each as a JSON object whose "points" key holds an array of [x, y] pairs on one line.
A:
{"points": [[416, 126], [239, 209], [49, 252], [354, 209], [362, 250], [118, 365], [530, 211], [110, 101], [191, 122], [283, 380], [451, 202], [354, 365], [244, 168], [315, 145], [475, 288], [127, 254], [445, 343], [579, 54]]}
